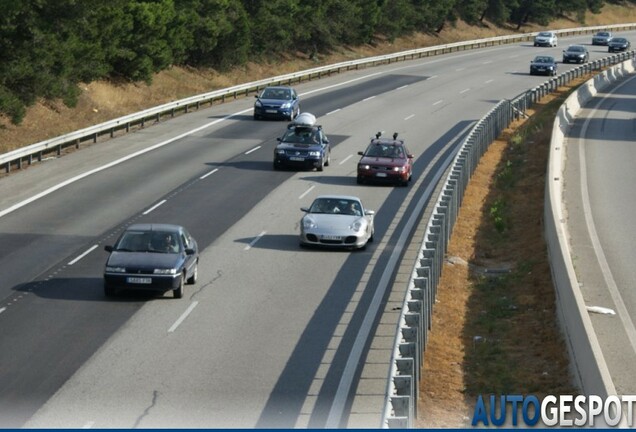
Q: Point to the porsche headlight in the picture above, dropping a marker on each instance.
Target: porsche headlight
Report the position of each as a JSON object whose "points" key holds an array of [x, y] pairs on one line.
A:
{"points": [[309, 223], [356, 226]]}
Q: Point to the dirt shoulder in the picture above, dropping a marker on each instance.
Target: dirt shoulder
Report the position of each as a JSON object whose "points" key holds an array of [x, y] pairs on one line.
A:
{"points": [[495, 328]]}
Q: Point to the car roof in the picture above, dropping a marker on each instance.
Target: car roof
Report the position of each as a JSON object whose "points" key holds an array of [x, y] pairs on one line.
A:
{"points": [[577, 47], [542, 58], [279, 87], [154, 227], [339, 197]]}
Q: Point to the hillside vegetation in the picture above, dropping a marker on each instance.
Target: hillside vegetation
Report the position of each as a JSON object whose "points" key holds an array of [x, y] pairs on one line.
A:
{"points": [[47, 47], [104, 99]]}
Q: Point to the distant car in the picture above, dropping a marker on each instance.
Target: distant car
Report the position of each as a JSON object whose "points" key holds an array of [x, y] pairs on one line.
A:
{"points": [[277, 102], [543, 65], [618, 44], [385, 160], [546, 38], [601, 38], [304, 145], [157, 257], [576, 54], [337, 221]]}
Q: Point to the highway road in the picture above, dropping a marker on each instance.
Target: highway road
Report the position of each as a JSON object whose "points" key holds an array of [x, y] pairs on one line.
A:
{"points": [[264, 337], [600, 201]]}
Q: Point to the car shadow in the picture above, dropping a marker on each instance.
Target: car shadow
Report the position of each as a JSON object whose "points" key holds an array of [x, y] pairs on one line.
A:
{"points": [[86, 290], [329, 179], [287, 242]]}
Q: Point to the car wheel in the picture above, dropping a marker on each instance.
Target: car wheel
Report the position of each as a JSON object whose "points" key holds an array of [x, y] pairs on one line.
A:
{"points": [[359, 180], [256, 116], [321, 167], [328, 161], [195, 275], [178, 291], [109, 291], [371, 236]]}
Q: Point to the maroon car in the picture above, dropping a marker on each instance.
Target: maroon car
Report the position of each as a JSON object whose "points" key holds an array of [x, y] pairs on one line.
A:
{"points": [[386, 160]]}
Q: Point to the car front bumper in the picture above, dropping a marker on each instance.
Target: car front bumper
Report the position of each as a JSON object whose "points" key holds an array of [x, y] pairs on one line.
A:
{"points": [[382, 175], [541, 71], [574, 59], [338, 240], [299, 162], [273, 112], [149, 282]]}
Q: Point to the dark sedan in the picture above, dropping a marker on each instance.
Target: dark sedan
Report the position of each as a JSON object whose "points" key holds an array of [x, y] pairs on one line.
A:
{"points": [[157, 257], [277, 102], [543, 65], [304, 145], [385, 160], [618, 44], [576, 54]]}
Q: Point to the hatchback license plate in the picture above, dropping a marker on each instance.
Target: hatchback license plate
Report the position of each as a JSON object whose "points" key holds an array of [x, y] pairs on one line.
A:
{"points": [[380, 175], [297, 159], [139, 280], [271, 111]]}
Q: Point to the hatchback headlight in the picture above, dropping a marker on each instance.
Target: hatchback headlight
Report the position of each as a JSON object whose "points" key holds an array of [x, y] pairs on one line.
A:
{"points": [[258, 104], [111, 269], [280, 151], [364, 167], [165, 271], [286, 105], [314, 153]]}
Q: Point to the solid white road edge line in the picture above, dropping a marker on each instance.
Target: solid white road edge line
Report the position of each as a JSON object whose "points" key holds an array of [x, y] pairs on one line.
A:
{"points": [[344, 387], [208, 174]]}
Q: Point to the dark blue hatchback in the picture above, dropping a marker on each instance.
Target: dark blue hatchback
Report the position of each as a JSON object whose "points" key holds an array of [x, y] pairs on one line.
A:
{"points": [[277, 102], [304, 145]]}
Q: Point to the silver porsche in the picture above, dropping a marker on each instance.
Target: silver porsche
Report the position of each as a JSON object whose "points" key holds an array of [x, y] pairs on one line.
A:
{"points": [[339, 221]]}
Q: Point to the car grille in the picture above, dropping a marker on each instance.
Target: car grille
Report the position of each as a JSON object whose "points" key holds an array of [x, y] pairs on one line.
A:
{"points": [[141, 271], [297, 152]]}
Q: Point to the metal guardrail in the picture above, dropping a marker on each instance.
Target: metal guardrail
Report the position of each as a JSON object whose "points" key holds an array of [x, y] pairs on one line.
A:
{"points": [[56, 145], [417, 309]]}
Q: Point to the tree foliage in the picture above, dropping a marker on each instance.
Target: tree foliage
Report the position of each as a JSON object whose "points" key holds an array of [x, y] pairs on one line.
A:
{"points": [[47, 47]]}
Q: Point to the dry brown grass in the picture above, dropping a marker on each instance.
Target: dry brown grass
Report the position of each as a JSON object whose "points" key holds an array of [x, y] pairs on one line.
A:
{"points": [[520, 349]]}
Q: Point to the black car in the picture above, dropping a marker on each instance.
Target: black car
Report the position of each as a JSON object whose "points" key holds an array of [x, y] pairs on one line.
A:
{"points": [[576, 54], [277, 102], [157, 257], [304, 145], [385, 160], [543, 65], [618, 44]]}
